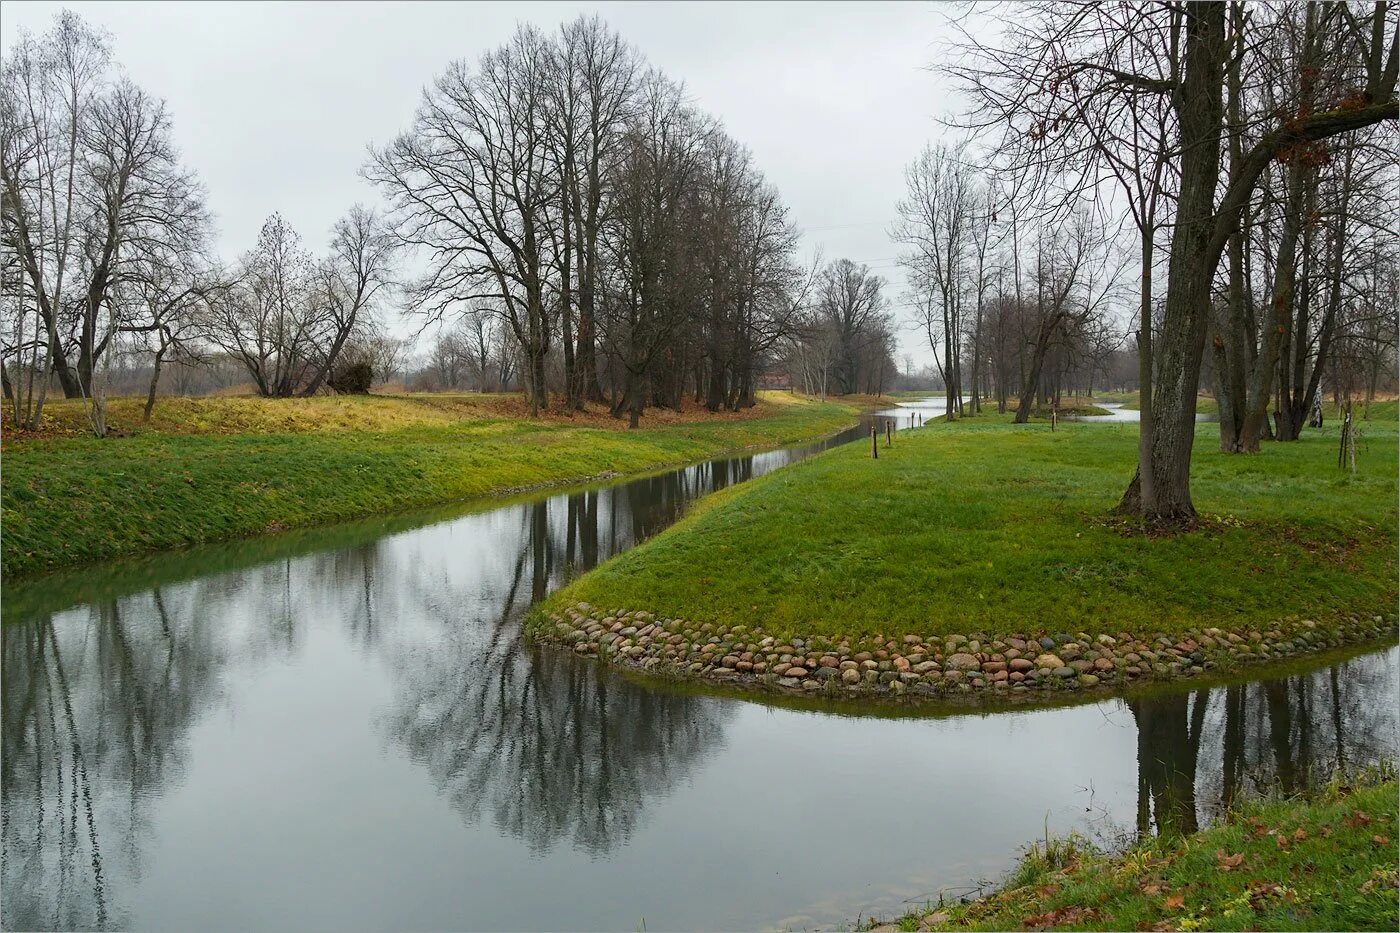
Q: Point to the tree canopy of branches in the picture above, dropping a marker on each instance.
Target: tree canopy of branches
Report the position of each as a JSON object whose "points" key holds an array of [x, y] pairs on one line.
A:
{"points": [[1184, 109], [577, 195], [96, 209]]}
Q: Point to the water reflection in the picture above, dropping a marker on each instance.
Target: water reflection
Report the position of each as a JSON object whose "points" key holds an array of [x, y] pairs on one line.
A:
{"points": [[186, 753], [97, 700], [1199, 752]]}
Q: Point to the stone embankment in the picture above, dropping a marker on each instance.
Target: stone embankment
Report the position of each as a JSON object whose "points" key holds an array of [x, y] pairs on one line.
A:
{"points": [[928, 666]]}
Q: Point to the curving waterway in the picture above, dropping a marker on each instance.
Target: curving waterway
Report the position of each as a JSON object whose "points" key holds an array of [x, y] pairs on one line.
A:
{"points": [[344, 728]]}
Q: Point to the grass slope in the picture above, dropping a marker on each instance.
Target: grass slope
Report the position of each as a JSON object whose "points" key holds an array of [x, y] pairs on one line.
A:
{"points": [[1321, 864], [990, 527], [74, 499]]}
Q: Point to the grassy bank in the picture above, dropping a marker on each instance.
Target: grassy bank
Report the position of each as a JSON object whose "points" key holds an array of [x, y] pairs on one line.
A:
{"points": [[993, 528], [1327, 863], [1070, 407], [1381, 410], [213, 469]]}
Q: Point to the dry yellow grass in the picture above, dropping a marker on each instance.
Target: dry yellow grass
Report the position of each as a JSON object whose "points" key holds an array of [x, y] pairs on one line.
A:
{"points": [[338, 413]]}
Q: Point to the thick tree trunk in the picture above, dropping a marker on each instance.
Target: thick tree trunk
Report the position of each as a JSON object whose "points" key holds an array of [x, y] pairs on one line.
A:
{"points": [[1190, 269]]}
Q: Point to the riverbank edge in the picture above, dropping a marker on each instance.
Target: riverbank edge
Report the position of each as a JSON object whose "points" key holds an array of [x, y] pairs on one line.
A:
{"points": [[913, 668], [40, 567], [1185, 882]]}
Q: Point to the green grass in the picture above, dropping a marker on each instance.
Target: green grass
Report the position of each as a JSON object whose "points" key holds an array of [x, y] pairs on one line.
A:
{"points": [[1382, 411], [68, 500], [1069, 407], [983, 526], [1104, 395], [1326, 863]]}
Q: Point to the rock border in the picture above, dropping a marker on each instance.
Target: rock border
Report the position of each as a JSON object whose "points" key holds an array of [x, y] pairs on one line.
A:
{"points": [[946, 667]]}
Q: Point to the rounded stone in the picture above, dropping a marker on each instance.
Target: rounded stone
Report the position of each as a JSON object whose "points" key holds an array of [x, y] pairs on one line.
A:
{"points": [[962, 662]]}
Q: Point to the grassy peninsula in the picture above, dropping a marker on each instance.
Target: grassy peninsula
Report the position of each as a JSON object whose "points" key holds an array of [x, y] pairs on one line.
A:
{"points": [[982, 553]]}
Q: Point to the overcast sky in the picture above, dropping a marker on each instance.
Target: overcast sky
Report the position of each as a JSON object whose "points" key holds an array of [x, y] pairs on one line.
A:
{"points": [[275, 103]]}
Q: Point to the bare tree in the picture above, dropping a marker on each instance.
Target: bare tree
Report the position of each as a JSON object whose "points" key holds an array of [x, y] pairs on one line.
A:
{"points": [[1186, 68], [935, 222], [592, 94], [273, 319], [471, 184], [851, 305], [93, 188], [350, 281]]}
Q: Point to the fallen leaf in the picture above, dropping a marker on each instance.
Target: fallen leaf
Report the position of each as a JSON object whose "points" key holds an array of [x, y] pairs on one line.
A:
{"points": [[1381, 840], [1282, 841], [1300, 834], [1175, 902], [1152, 890], [1227, 862], [1358, 818], [1064, 916], [1325, 831]]}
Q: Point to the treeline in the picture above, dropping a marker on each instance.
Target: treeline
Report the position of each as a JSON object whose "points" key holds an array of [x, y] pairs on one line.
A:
{"points": [[106, 238], [1245, 152], [559, 210], [1019, 304], [569, 192]]}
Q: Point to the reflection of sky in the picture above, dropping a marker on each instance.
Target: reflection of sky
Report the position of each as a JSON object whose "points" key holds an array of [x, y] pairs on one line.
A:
{"points": [[354, 738]]}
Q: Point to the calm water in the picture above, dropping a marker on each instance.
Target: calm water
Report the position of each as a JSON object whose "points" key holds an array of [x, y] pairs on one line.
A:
{"points": [[343, 729]]}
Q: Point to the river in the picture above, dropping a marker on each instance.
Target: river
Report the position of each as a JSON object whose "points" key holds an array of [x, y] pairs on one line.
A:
{"points": [[343, 728]]}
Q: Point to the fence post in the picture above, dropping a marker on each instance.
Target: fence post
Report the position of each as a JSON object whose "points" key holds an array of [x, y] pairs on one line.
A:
{"points": [[874, 441], [889, 432], [1054, 412]]}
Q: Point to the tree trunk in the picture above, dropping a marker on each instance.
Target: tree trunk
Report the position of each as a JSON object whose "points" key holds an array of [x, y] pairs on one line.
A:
{"points": [[155, 381], [1190, 269], [1260, 389]]}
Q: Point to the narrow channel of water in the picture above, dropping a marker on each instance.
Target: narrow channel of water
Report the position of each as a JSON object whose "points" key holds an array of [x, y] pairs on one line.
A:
{"points": [[344, 729]]}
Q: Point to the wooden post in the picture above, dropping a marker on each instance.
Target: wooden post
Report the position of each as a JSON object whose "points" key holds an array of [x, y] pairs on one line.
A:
{"points": [[889, 432], [1346, 453], [874, 441], [1053, 416]]}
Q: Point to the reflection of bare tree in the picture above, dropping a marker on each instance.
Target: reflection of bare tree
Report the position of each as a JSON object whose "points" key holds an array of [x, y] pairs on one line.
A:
{"points": [[93, 715], [1199, 752], [549, 747], [1169, 742], [97, 700]]}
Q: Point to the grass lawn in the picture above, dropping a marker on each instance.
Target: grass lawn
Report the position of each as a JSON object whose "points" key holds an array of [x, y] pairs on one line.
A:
{"points": [[1321, 864], [235, 467], [984, 526]]}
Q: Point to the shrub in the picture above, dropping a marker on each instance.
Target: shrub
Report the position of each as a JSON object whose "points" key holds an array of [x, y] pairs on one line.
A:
{"points": [[352, 377]]}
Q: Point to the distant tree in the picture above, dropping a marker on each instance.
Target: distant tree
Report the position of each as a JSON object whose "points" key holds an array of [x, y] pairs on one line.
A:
{"points": [[851, 305]]}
